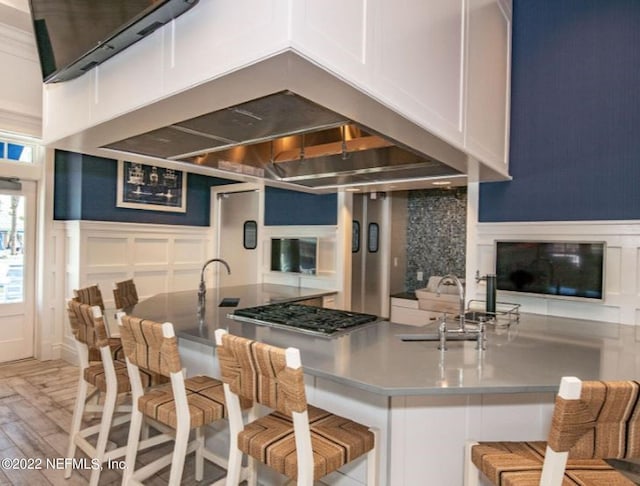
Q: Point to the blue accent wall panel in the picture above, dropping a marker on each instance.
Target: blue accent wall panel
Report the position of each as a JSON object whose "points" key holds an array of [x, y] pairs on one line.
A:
{"points": [[283, 207], [575, 114], [97, 199], [67, 186]]}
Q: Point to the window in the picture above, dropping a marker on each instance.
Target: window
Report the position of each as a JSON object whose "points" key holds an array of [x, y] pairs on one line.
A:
{"points": [[12, 213], [372, 240], [355, 237], [15, 151], [250, 235]]}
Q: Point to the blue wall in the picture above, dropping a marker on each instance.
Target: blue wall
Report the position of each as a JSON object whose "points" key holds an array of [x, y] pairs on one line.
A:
{"points": [[85, 188], [283, 207], [575, 114], [67, 183]]}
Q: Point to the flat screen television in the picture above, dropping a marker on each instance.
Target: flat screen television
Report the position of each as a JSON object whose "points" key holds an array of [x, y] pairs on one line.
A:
{"points": [[72, 37], [297, 255], [566, 269]]}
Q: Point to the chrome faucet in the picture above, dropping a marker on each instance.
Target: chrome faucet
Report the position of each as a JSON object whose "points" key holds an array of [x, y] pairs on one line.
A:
{"points": [[453, 280], [462, 333], [202, 289]]}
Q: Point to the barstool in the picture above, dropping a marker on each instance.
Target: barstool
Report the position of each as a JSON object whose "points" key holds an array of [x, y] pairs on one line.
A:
{"points": [[592, 421], [125, 294], [187, 404], [107, 376], [92, 295], [298, 440]]}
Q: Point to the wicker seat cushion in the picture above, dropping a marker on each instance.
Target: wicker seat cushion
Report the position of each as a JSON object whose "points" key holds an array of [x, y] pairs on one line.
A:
{"points": [[117, 353], [335, 441], [95, 375], [520, 463], [205, 397]]}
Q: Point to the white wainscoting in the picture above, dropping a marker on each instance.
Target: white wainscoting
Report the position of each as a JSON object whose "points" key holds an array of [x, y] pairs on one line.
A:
{"points": [[160, 258], [621, 302]]}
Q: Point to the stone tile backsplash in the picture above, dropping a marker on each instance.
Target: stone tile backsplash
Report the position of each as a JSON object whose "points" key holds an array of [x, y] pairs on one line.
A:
{"points": [[436, 234]]}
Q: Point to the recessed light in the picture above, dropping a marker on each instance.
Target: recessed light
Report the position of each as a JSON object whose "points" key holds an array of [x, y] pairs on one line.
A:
{"points": [[441, 183], [352, 189]]}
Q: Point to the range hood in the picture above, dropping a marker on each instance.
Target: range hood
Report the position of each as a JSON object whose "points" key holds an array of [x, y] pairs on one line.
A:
{"points": [[287, 138], [285, 120]]}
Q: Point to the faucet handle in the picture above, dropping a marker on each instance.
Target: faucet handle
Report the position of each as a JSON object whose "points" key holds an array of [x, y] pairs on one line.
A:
{"points": [[481, 343], [442, 333]]}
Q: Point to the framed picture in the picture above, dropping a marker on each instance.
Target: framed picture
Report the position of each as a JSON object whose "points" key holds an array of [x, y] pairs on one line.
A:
{"points": [[142, 186]]}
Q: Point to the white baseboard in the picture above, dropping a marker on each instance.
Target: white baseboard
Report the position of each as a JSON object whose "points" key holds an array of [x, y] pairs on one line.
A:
{"points": [[68, 353]]}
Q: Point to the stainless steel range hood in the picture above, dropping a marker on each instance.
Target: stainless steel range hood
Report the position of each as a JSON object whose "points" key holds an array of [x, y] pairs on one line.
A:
{"points": [[287, 138], [284, 119]]}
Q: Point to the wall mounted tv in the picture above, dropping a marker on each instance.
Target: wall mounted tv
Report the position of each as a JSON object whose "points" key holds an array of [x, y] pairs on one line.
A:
{"points": [[298, 255], [565, 269], [75, 36]]}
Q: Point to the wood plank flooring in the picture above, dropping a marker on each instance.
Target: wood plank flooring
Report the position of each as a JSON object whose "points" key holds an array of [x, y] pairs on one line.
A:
{"points": [[36, 406]]}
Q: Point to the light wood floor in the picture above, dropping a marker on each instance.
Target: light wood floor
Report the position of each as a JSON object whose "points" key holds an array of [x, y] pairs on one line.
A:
{"points": [[36, 406]]}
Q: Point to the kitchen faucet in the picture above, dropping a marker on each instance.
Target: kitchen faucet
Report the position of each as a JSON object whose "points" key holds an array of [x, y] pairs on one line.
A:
{"points": [[202, 289], [462, 333], [453, 280]]}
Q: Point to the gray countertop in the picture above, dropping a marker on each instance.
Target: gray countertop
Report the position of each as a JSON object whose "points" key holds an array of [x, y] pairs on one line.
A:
{"points": [[529, 356]]}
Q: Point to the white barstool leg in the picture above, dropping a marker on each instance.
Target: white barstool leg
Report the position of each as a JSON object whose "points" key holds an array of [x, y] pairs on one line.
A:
{"points": [[76, 421], [235, 463], [179, 452], [103, 435], [199, 454], [252, 467], [132, 444]]}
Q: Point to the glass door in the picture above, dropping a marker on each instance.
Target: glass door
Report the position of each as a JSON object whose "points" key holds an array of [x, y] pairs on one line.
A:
{"points": [[17, 256]]}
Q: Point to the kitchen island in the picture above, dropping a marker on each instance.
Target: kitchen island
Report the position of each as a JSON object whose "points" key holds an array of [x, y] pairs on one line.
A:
{"points": [[425, 402]]}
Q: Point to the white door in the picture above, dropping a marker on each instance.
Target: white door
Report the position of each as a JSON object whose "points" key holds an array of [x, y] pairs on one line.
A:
{"points": [[17, 271], [237, 234]]}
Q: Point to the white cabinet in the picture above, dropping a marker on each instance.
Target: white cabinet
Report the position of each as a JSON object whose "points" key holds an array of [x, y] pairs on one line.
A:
{"points": [[488, 64], [418, 62], [444, 64], [334, 32], [407, 54]]}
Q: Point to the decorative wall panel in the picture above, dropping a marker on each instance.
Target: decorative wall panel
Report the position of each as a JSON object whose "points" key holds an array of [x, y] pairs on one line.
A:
{"points": [[436, 234], [188, 251], [143, 252], [154, 251], [106, 251], [622, 266]]}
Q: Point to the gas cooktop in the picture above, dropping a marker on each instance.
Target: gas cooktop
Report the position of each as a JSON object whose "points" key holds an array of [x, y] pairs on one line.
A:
{"points": [[304, 318]]}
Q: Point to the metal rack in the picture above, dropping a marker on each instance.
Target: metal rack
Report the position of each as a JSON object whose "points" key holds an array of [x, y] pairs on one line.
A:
{"points": [[506, 313]]}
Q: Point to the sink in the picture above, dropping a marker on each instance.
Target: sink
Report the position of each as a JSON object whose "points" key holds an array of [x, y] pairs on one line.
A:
{"points": [[433, 336], [475, 316], [229, 302]]}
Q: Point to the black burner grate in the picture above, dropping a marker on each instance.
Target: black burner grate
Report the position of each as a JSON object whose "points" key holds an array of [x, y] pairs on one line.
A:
{"points": [[305, 317]]}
